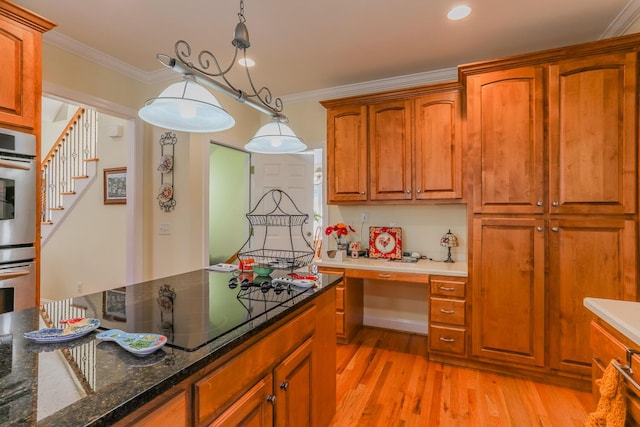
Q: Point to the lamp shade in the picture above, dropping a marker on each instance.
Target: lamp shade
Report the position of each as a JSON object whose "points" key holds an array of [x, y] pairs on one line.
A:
{"points": [[275, 137], [449, 240], [186, 106]]}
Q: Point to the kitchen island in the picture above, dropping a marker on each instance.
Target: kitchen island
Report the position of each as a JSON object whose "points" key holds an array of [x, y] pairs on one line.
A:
{"points": [[222, 342], [615, 342]]}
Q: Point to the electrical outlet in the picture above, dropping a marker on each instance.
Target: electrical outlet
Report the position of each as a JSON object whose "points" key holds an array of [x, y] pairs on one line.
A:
{"points": [[364, 217], [165, 229]]}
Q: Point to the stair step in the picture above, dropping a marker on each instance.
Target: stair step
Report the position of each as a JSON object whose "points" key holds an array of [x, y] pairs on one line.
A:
{"points": [[46, 222], [59, 208], [67, 192], [80, 176]]}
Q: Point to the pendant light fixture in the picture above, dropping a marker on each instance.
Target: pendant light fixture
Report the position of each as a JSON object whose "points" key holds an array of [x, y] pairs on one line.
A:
{"points": [[188, 106], [275, 137]]}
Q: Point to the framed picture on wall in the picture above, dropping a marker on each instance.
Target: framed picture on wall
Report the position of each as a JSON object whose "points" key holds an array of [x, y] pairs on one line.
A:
{"points": [[115, 186]]}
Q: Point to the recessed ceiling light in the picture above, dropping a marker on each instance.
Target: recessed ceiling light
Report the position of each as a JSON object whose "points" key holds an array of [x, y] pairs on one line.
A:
{"points": [[459, 12], [248, 62]]}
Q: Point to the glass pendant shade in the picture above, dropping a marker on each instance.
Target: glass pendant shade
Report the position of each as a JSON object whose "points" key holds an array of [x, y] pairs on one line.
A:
{"points": [[186, 106], [275, 137]]}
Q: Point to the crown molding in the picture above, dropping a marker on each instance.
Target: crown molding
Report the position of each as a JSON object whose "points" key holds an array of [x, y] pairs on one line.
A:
{"points": [[625, 19], [392, 83], [100, 58]]}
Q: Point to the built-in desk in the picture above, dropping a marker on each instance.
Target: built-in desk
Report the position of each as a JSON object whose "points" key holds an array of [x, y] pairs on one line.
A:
{"points": [[447, 292]]}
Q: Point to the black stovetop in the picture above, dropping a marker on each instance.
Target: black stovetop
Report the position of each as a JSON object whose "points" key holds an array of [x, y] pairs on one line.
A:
{"points": [[192, 309]]}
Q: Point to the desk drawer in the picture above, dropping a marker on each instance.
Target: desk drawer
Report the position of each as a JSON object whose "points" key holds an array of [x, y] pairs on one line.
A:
{"points": [[449, 340], [389, 275], [448, 287], [448, 311]]}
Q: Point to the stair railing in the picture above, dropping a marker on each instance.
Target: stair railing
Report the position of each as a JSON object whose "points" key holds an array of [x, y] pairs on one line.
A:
{"points": [[67, 160]]}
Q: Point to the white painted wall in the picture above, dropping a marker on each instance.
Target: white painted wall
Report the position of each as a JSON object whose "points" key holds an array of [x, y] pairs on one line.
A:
{"points": [[87, 252]]}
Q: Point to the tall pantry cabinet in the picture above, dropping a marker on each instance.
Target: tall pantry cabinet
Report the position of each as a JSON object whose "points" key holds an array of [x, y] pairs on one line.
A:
{"points": [[553, 157]]}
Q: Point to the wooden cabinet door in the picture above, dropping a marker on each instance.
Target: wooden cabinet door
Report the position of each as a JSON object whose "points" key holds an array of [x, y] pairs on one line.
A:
{"points": [[252, 409], [347, 163], [294, 388], [391, 150], [588, 258], [438, 146], [509, 290], [20, 74], [592, 134], [506, 133]]}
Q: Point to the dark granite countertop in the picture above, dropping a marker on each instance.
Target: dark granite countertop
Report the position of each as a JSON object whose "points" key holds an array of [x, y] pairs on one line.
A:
{"points": [[91, 382]]}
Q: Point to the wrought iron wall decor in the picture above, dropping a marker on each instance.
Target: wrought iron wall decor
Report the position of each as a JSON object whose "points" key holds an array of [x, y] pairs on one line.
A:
{"points": [[166, 198]]}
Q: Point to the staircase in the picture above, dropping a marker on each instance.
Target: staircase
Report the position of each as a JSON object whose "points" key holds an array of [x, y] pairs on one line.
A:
{"points": [[69, 169]]}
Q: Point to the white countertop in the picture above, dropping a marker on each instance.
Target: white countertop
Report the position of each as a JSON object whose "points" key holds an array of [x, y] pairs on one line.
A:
{"points": [[458, 269], [624, 316]]}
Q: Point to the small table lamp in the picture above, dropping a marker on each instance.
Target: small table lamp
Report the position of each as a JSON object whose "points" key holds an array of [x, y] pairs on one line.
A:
{"points": [[449, 240]]}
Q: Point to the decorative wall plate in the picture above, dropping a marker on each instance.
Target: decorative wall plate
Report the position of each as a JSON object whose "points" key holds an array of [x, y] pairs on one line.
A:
{"points": [[166, 163], [385, 242], [165, 192]]}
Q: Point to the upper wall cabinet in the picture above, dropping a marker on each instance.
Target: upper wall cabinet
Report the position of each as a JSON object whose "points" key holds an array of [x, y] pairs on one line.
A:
{"points": [[347, 154], [506, 132], [391, 150], [395, 147], [590, 139], [21, 71], [592, 134]]}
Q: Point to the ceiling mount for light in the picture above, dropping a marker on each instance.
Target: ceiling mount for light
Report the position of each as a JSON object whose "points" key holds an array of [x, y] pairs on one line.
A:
{"points": [[182, 106]]}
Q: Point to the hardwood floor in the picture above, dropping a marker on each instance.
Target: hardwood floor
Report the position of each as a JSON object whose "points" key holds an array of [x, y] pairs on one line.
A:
{"points": [[385, 379]]}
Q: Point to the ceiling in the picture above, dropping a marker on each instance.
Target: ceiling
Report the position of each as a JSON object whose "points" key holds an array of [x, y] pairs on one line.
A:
{"points": [[305, 46]]}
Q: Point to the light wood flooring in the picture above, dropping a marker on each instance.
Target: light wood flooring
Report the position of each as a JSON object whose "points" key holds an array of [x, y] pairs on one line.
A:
{"points": [[385, 379]]}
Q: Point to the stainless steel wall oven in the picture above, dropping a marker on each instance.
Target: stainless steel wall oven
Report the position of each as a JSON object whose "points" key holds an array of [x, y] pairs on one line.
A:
{"points": [[18, 172]]}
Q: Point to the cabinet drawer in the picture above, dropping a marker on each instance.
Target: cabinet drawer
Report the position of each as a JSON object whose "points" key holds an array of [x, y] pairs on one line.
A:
{"points": [[450, 340], [448, 288], [605, 346], [340, 297], [389, 275], [449, 311]]}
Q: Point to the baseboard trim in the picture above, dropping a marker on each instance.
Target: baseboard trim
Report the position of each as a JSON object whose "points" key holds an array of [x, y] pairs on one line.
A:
{"points": [[403, 325]]}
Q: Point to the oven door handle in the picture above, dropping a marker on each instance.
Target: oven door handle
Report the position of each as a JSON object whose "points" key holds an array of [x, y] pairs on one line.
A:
{"points": [[13, 165], [13, 274]]}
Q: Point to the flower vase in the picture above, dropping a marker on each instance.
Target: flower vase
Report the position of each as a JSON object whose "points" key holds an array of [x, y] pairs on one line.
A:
{"points": [[341, 244]]}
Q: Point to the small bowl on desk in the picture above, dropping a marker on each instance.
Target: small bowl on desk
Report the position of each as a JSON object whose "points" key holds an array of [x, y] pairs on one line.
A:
{"points": [[262, 270]]}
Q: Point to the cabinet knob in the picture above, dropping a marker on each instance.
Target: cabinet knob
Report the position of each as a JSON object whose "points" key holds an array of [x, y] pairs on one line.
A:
{"points": [[446, 288], [554, 228], [363, 193], [443, 311], [443, 339], [284, 385], [408, 191], [539, 203], [555, 204], [418, 191], [271, 398], [539, 228]]}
